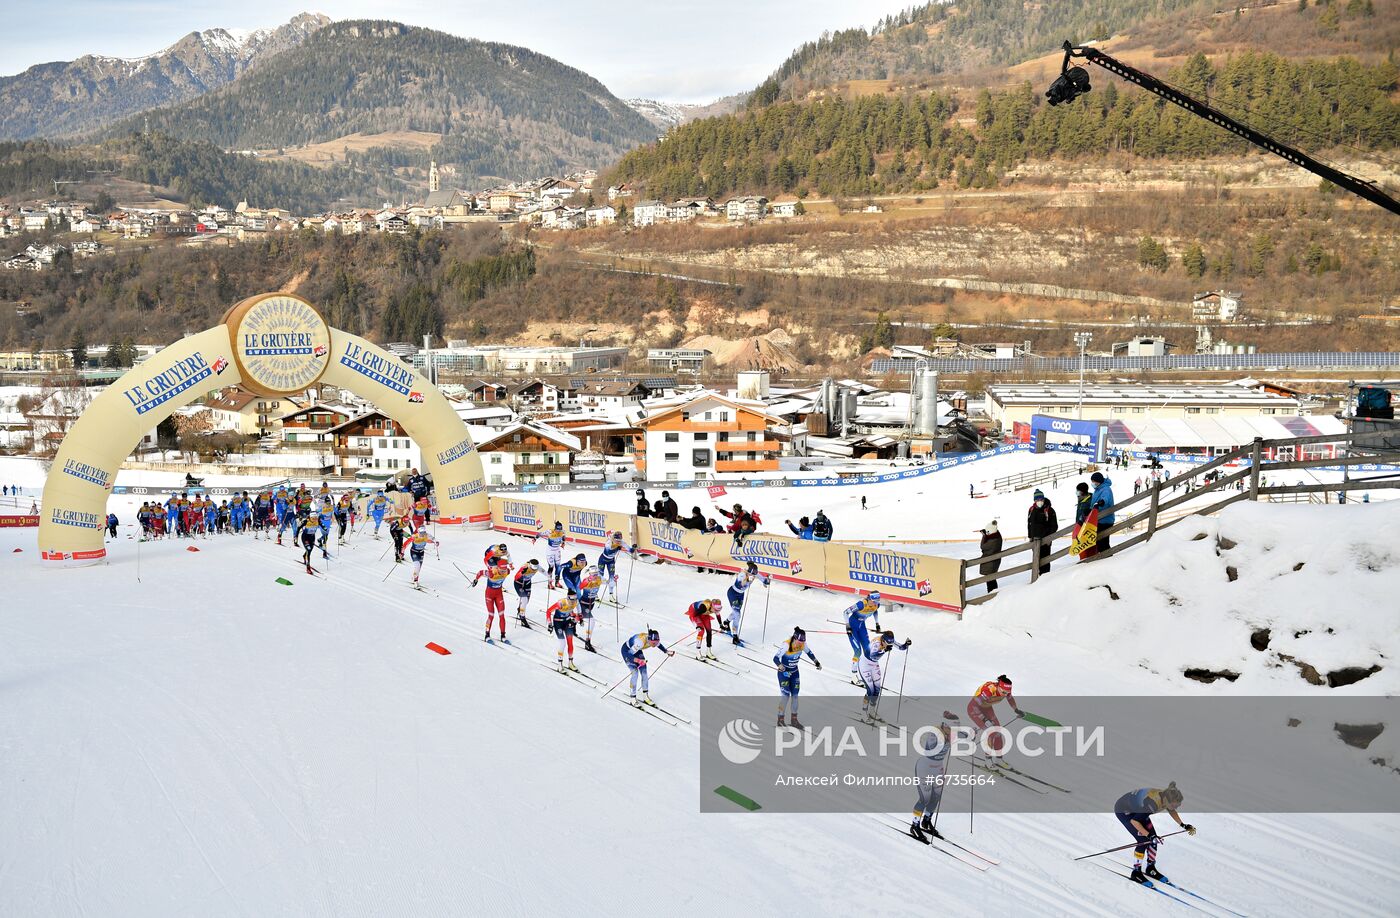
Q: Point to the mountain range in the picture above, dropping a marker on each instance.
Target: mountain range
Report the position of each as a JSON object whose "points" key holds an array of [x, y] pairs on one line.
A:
{"points": [[66, 98]]}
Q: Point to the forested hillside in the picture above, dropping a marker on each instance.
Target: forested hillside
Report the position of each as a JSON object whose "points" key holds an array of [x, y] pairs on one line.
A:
{"points": [[196, 172], [941, 37], [915, 141], [503, 110]]}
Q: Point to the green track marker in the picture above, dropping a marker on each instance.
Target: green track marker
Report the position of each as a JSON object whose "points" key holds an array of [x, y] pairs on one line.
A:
{"points": [[730, 794]]}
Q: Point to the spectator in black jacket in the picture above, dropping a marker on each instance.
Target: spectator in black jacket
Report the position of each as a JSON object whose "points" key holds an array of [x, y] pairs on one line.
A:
{"points": [[1041, 522], [670, 511], [695, 521], [643, 505], [991, 544], [821, 527]]}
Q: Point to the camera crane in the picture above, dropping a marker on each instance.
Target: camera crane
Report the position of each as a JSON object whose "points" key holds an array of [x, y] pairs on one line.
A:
{"points": [[1073, 82]]}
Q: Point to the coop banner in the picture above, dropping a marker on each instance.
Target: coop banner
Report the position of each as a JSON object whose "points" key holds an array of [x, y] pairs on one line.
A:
{"points": [[522, 515], [591, 527], [923, 580]]}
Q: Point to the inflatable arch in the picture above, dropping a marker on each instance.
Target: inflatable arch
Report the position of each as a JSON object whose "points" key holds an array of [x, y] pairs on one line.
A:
{"points": [[274, 344]]}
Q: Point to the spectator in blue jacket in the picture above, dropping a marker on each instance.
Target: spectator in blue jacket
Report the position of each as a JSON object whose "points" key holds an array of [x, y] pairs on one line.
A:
{"points": [[1102, 501], [802, 531], [821, 527]]}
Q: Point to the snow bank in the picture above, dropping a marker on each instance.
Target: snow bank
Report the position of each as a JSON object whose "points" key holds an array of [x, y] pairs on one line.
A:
{"points": [[1273, 598]]}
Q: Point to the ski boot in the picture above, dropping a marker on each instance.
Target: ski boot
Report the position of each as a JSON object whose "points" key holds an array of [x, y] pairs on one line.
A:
{"points": [[926, 824], [736, 640], [588, 645], [917, 831], [710, 655], [1137, 876], [782, 721], [571, 665], [699, 654], [796, 724], [634, 702], [487, 636], [646, 699], [561, 666], [1156, 874], [524, 622]]}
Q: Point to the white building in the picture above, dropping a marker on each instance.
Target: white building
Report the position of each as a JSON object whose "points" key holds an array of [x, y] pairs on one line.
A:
{"points": [[648, 212], [527, 453], [605, 215], [1009, 404], [747, 207], [1217, 305]]}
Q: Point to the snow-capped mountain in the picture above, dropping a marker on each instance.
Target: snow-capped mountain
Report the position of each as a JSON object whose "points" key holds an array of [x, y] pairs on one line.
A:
{"points": [[666, 115], [73, 97]]}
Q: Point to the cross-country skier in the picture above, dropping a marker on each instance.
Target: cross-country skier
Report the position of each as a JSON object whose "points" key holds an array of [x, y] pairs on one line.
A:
{"points": [[699, 614], [324, 520], [262, 506], [342, 516], [588, 588], [737, 591], [632, 654], [397, 534], [607, 561], [496, 573], [418, 544], [112, 525], [234, 508], [144, 516], [282, 506], [870, 672], [422, 512], [377, 505], [984, 715], [495, 553], [1134, 810], [789, 679], [554, 541], [563, 619], [930, 771], [308, 545], [856, 632], [572, 572], [524, 579]]}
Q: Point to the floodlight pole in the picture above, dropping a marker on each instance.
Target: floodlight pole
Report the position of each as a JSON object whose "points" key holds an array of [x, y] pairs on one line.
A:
{"points": [[1082, 339]]}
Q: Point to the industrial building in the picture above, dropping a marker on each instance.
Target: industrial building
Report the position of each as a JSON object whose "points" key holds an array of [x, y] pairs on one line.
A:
{"points": [[501, 358], [1010, 404]]}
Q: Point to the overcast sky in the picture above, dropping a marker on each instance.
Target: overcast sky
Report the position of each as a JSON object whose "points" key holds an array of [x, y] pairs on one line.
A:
{"points": [[678, 50]]}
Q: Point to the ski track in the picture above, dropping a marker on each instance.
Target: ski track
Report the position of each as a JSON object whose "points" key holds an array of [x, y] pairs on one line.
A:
{"points": [[1338, 877]]}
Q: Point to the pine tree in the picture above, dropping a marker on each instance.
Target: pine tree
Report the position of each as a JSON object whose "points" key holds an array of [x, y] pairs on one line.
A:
{"points": [[1194, 260], [77, 348]]}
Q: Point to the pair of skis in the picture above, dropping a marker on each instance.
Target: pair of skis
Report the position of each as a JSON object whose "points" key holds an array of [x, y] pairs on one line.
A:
{"points": [[1177, 893], [660, 713], [958, 852]]}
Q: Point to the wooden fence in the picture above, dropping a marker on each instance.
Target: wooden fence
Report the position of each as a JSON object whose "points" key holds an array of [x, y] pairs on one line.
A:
{"points": [[1165, 502]]}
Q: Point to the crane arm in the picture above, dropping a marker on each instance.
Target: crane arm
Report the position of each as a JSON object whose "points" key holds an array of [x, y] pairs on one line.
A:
{"points": [[1074, 82]]}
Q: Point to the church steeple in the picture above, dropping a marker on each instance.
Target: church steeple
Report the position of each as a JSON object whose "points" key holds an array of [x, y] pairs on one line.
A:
{"points": [[433, 184]]}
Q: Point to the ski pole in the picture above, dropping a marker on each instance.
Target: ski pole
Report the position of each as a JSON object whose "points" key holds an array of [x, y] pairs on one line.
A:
{"points": [[767, 596], [391, 570], [462, 572], [1128, 845], [630, 570], [882, 684], [972, 801], [899, 706]]}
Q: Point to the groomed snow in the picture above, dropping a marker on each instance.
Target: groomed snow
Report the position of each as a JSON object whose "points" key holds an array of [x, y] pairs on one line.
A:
{"points": [[206, 741]]}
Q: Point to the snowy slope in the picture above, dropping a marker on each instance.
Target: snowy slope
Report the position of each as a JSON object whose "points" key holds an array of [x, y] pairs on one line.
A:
{"points": [[207, 741]]}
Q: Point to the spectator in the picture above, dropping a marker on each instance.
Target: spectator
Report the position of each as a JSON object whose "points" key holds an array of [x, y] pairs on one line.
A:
{"points": [[1082, 503], [1102, 501], [714, 526], [821, 527], [862, 502], [991, 544], [658, 509], [643, 506], [1041, 523], [1137, 485], [803, 530], [742, 523], [6, 492], [670, 512], [695, 521]]}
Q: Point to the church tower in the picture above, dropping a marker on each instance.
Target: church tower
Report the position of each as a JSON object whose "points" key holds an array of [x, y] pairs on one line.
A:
{"points": [[433, 183]]}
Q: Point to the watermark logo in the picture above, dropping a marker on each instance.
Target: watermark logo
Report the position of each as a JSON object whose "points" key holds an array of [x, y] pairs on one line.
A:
{"points": [[741, 741]]}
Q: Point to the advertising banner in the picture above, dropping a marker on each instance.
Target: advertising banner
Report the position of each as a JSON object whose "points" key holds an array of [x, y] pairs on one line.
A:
{"points": [[923, 580], [591, 527], [778, 556], [521, 515]]}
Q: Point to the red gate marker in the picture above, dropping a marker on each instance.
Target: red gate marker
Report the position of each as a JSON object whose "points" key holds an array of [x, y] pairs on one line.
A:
{"points": [[437, 648]]}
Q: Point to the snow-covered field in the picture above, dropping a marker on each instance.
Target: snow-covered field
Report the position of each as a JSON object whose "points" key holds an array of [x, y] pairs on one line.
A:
{"points": [[183, 735]]}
